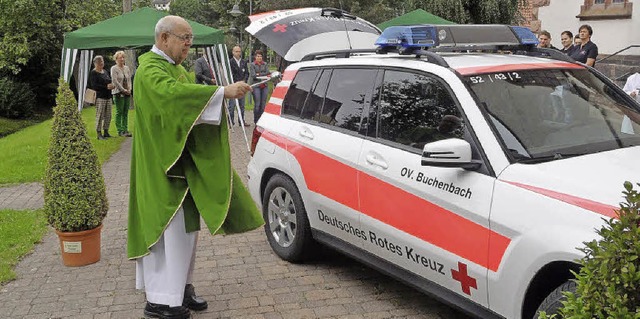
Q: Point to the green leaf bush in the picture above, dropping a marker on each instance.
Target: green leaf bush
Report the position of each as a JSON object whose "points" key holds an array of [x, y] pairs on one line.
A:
{"points": [[608, 284], [17, 100], [74, 192]]}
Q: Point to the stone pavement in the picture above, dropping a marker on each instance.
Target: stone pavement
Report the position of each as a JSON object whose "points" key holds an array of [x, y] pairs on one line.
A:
{"points": [[238, 274]]}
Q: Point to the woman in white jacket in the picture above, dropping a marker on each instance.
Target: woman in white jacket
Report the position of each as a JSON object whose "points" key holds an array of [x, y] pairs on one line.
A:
{"points": [[121, 77]]}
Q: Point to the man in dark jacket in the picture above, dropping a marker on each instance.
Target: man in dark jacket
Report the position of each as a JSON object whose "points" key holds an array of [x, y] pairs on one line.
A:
{"points": [[203, 72], [240, 72]]}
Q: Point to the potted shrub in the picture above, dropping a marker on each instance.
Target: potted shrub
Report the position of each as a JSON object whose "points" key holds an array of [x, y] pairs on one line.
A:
{"points": [[75, 199], [608, 284]]}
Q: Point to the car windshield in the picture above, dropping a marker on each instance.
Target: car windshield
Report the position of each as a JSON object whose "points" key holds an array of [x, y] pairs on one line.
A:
{"points": [[543, 115]]}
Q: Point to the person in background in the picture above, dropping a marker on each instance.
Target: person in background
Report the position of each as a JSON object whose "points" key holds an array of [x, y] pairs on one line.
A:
{"points": [[180, 173], [544, 40], [576, 40], [240, 72], [566, 38], [256, 69], [204, 72], [100, 81], [587, 52], [121, 76], [632, 86]]}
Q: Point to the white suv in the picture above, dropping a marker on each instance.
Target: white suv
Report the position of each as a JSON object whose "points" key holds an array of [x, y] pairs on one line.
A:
{"points": [[471, 170]]}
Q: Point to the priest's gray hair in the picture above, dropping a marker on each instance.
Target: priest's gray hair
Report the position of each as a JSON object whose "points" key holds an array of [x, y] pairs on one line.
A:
{"points": [[165, 24]]}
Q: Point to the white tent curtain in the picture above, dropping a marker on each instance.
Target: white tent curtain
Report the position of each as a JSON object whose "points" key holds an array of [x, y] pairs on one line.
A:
{"points": [[86, 62], [69, 57], [218, 54], [68, 60]]}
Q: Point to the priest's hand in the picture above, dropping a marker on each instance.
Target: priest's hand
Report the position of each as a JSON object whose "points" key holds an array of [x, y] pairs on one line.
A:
{"points": [[236, 90]]}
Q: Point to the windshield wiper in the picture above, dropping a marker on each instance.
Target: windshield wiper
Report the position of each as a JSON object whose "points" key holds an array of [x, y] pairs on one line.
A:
{"points": [[548, 158]]}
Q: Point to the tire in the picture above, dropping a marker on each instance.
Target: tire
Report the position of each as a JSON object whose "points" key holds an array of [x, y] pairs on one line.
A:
{"points": [[553, 302], [286, 223]]}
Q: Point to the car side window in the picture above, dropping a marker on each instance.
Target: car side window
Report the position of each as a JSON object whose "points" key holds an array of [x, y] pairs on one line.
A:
{"points": [[348, 93], [298, 91], [316, 97], [416, 109]]}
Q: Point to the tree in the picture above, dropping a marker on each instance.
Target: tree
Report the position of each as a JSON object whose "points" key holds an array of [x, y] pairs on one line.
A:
{"points": [[31, 37], [201, 11], [608, 282], [377, 11]]}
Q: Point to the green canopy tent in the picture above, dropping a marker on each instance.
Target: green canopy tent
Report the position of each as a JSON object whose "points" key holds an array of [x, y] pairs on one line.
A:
{"points": [[127, 31], [417, 16]]}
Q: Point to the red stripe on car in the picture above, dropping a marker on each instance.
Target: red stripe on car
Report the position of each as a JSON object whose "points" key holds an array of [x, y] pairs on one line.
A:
{"points": [[275, 139], [432, 223], [273, 108], [516, 67], [596, 207], [289, 75], [398, 208], [280, 91]]}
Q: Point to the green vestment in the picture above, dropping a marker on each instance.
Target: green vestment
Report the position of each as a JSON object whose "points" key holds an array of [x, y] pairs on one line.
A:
{"points": [[175, 162]]}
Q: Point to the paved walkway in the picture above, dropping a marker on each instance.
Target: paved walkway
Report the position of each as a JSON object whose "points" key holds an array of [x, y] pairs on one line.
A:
{"points": [[238, 274]]}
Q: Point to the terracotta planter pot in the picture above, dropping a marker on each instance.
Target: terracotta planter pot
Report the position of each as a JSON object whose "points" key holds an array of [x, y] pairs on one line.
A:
{"points": [[80, 248]]}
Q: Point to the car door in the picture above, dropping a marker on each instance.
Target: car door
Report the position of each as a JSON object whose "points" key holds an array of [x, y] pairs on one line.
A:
{"points": [[431, 221], [325, 144]]}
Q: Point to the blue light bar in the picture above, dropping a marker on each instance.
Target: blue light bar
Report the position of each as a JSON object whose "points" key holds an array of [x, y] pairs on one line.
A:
{"points": [[525, 35], [409, 37]]}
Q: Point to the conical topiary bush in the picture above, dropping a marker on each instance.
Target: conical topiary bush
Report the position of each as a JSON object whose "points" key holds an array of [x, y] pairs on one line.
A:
{"points": [[74, 190]]}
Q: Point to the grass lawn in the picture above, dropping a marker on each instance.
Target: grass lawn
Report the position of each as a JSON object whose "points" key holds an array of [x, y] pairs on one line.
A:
{"points": [[19, 232], [23, 155]]}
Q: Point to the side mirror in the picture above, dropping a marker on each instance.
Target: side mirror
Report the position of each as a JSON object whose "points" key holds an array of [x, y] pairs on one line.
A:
{"points": [[451, 152]]}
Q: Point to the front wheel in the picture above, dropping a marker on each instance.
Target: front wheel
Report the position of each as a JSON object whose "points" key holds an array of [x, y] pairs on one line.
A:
{"points": [[286, 223], [552, 304]]}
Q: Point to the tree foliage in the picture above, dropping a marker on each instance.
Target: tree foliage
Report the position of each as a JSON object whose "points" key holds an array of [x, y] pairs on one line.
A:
{"points": [[31, 37], [17, 100], [206, 12], [378, 11], [74, 191], [608, 282]]}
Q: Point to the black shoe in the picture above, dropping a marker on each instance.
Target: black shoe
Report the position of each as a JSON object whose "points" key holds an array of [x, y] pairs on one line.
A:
{"points": [[154, 310], [106, 134], [192, 301], [100, 137]]}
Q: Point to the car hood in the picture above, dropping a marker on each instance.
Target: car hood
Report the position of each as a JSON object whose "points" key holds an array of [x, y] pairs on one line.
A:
{"points": [[591, 180]]}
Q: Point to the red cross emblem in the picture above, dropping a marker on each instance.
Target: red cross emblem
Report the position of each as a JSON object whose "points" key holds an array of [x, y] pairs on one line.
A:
{"points": [[280, 28], [465, 280]]}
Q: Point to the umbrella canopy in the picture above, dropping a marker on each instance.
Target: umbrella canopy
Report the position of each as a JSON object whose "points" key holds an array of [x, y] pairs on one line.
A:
{"points": [[297, 32], [417, 16], [133, 29]]}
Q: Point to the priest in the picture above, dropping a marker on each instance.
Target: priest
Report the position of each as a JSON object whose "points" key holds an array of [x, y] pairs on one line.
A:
{"points": [[180, 172]]}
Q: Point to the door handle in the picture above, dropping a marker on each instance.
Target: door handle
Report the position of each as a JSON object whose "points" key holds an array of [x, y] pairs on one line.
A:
{"points": [[306, 134], [375, 161]]}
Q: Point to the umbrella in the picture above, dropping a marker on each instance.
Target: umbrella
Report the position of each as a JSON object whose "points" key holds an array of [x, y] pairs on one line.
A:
{"points": [[297, 32]]}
